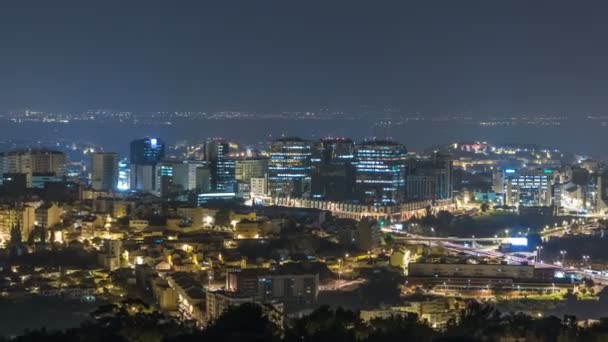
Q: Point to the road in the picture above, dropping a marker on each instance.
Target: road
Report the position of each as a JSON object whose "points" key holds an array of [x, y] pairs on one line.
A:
{"points": [[449, 244]]}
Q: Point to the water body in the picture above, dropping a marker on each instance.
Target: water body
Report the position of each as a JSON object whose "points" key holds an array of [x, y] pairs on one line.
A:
{"points": [[578, 136]]}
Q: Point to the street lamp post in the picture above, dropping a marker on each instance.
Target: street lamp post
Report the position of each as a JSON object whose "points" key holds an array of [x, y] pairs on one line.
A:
{"points": [[586, 259], [538, 249]]}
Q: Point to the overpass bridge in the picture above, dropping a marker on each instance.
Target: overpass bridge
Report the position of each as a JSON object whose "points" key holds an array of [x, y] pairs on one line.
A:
{"points": [[394, 213], [398, 237]]}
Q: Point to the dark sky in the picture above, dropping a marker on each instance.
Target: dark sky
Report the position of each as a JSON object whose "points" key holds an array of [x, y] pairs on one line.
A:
{"points": [[430, 56]]}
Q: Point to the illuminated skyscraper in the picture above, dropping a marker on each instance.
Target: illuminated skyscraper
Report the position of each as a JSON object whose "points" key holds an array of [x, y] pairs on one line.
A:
{"points": [[289, 167], [124, 175], [222, 167], [145, 155], [148, 151], [380, 171], [222, 175]]}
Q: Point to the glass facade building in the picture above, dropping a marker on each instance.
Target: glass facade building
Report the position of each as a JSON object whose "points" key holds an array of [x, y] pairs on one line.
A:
{"points": [[148, 151], [380, 172], [289, 167]]}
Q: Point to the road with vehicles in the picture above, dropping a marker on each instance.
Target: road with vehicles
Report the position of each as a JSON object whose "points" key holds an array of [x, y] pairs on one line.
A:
{"points": [[455, 245]]}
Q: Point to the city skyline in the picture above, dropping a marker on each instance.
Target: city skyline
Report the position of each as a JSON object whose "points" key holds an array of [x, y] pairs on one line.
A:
{"points": [[323, 170]]}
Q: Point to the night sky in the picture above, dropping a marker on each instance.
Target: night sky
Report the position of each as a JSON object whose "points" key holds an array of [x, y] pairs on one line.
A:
{"points": [[437, 57]]}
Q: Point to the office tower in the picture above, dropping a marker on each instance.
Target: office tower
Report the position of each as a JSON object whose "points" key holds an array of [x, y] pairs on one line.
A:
{"points": [[222, 175], [430, 179], [144, 156], [104, 171], [380, 171], [332, 169], [329, 150], [124, 175], [289, 168], [164, 178], [216, 149], [177, 175], [246, 169], [148, 151], [29, 162], [222, 167], [528, 187], [184, 173], [203, 178], [143, 178]]}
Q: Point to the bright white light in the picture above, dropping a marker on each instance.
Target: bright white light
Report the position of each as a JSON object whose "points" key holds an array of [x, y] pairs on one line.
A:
{"points": [[518, 241]]}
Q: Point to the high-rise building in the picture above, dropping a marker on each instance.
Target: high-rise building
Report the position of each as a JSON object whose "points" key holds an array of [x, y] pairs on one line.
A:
{"points": [[148, 151], [29, 162], [176, 175], [124, 175], [246, 169], [380, 171], [222, 175], [289, 167], [330, 150], [145, 155], [203, 179], [332, 169], [216, 149], [528, 187], [143, 178], [430, 179], [104, 171], [222, 167]]}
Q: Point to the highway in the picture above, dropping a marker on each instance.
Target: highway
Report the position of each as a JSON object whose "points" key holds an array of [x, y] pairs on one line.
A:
{"points": [[451, 244]]}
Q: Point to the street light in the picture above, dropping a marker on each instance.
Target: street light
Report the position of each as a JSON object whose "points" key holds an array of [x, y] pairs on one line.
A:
{"points": [[586, 258], [538, 249], [563, 253]]}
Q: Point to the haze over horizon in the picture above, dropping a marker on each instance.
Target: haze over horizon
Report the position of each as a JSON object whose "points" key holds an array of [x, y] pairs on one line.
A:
{"points": [[433, 57]]}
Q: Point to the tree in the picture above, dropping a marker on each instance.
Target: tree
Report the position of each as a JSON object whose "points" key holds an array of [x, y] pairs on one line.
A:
{"points": [[245, 322], [484, 207], [328, 325], [478, 321], [404, 327], [16, 237], [15, 242]]}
